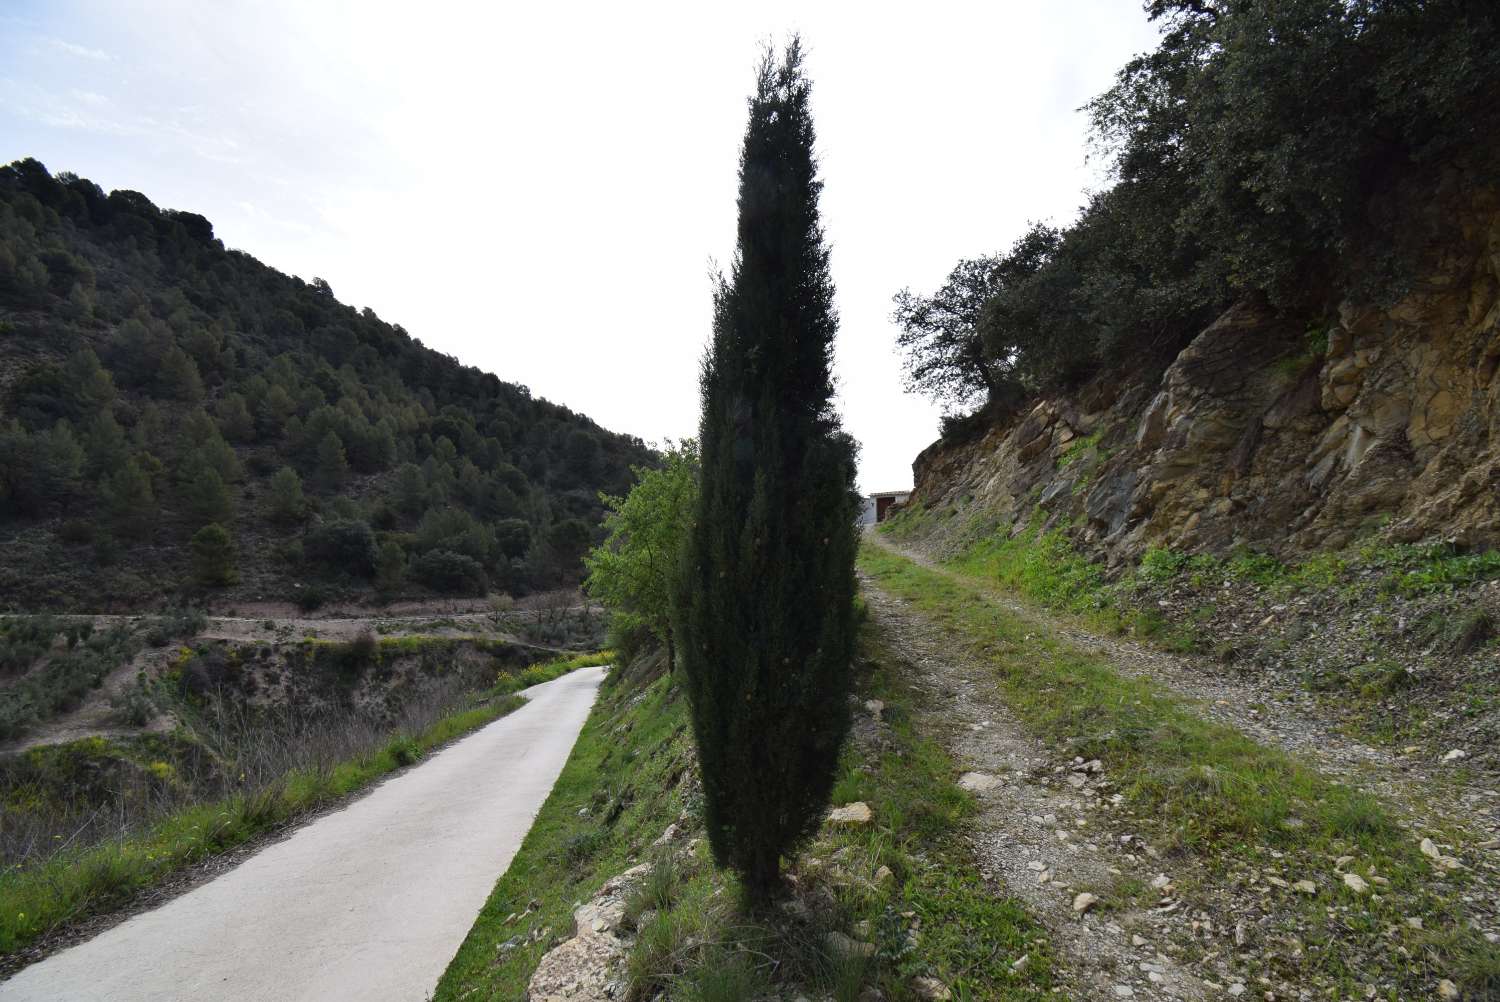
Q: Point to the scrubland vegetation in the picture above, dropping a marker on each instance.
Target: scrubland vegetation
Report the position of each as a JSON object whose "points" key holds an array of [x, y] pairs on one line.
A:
{"points": [[88, 824], [1259, 151], [179, 419]]}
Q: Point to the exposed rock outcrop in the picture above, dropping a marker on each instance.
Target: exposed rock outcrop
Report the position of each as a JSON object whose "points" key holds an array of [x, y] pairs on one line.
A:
{"points": [[1386, 420], [587, 967]]}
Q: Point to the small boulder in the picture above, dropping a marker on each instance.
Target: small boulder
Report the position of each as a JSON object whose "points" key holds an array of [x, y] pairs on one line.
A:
{"points": [[978, 782], [857, 813], [931, 989], [844, 946], [1084, 902], [1355, 883]]}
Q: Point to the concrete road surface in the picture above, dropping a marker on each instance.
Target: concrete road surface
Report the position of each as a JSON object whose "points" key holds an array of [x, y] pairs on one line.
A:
{"points": [[367, 903]]}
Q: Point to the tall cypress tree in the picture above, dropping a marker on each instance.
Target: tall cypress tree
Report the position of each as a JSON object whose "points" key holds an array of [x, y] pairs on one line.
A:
{"points": [[764, 606]]}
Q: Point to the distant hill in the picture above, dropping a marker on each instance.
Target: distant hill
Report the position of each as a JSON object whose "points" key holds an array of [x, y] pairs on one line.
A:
{"points": [[179, 422]]}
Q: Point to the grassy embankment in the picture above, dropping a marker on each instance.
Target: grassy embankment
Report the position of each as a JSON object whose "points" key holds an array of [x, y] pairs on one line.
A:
{"points": [[694, 939], [71, 886], [1210, 790], [1392, 616]]}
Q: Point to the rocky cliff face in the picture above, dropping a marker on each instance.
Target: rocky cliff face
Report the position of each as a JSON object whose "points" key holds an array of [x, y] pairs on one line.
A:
{"points": [[1259, 433]]}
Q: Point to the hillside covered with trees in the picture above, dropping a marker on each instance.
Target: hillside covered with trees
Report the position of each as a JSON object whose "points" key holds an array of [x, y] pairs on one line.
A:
{"points": [[180, 421], [1269, 152]]}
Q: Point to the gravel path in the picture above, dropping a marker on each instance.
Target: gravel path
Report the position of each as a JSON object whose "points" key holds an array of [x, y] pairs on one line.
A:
{"points": [[1052, 827], [1047, 833], [368, 902], [1432, 793]]}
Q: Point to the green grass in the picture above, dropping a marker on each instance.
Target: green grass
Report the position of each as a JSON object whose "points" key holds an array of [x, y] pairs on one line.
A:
{"points": [[1075, 450], [1212, 791], [547, 671], [624, 771], [71, 887], [967, 935], [1040, 565]]}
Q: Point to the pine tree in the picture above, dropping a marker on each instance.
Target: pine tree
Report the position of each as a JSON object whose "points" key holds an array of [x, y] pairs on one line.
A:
{"points": [[206, 497], [213, 557], [285, 501], [763, 607], [333, 466], [390, 568], [128, 499]]}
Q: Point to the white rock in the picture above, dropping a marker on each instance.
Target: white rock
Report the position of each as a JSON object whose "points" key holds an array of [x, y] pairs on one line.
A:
{"points": [[1455, 755], [857, 813], [1124, 991], [1447, 989], [847, 947], [931, 989], [1430, 850], [1236, 990], [978, 782], [1355, 883], [1161, 882], [1084, 902], [1021, 963], [1306, 887]]}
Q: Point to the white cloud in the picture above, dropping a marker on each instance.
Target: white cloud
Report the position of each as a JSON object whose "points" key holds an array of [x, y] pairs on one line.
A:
{"points": [[81, 51]]}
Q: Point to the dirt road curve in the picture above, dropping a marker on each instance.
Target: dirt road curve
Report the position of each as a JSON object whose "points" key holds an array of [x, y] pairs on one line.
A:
{"points": [[369, 902]]}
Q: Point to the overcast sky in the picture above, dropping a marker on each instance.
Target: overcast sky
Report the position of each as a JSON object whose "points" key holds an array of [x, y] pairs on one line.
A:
{"points": [[541, 189]]}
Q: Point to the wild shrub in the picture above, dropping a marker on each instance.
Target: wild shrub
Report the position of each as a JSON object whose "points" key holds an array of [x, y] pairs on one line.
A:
{"points": [[450, 573], [344, 546]]}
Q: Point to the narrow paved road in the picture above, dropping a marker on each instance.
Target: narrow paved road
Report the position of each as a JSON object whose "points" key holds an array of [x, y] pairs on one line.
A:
{"points": [[369, 902]]}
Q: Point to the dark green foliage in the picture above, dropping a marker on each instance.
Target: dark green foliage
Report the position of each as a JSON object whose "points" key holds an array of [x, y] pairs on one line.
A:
{"points": [[763, 612], [513, 536], [390, 568], [284, 500], [129, 503], [1264, 149], [332, 468], [135, 338], [410, 492], [450, 573], [38, 471], [234, 418], [62, 679], [940, 336], [342, 547], [213, 557], [206, 497], [105, 445], [569, 540]]}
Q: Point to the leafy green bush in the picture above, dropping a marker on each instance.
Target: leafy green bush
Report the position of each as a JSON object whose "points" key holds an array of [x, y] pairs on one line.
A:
{"points": [[450, 573]]}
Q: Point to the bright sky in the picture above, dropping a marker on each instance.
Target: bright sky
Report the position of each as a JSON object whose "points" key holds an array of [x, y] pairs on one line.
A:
{"points": [[541, 189]]}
